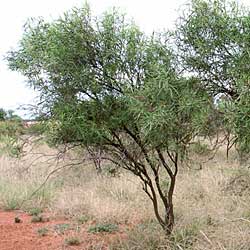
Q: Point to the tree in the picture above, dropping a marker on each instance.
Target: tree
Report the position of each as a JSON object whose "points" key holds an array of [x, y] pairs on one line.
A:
{"points": [[3, 114], [105, 84], [212, 40], [8, 115], [11, 129]]}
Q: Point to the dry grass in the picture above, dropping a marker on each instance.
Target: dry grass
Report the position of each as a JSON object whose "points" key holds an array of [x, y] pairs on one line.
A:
{"points": [[212, 205], [106, 199]]}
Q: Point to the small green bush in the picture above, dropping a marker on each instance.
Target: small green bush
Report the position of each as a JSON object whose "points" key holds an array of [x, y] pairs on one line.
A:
{"points": [[35, 211], [11, 204], [99, 228]]}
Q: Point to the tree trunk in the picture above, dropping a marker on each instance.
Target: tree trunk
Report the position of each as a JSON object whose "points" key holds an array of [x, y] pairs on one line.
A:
{"points": [[169, 220]]}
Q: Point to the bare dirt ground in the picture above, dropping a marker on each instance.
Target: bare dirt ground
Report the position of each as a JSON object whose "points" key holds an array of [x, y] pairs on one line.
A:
{"points": [[25, 235]]}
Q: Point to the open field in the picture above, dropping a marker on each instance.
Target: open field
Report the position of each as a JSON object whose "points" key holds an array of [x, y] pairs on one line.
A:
{"points": [[212, 203]]}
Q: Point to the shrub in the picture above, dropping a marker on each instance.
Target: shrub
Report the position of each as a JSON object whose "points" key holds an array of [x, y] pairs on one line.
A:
{"points": [[11, 204], [35, 211], [99, 228]]}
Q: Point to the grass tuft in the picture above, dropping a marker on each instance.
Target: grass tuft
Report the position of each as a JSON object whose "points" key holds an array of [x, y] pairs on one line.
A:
{"points": [[72, 241], [61, 228]]}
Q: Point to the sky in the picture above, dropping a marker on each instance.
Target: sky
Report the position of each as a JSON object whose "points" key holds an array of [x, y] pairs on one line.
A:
{"points": [[150, 15]]}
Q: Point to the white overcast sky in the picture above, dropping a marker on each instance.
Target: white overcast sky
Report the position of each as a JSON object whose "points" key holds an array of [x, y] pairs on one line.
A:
{"points": [[148, 14]]}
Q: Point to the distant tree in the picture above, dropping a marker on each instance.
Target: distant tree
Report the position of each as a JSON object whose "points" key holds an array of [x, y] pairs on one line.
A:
{"points": [[11, 128], [8, 115], [105, 84], [3, 114], [212, 39]]}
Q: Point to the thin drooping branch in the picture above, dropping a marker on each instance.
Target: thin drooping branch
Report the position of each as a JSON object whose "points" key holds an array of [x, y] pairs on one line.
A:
{"points": [[70, 165]]}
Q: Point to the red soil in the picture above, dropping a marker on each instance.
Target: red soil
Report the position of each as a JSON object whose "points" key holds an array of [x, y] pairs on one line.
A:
{"points": [[24, 235]]}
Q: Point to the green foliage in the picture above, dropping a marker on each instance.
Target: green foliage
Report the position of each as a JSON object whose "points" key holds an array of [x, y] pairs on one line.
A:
{"points": [[103, 228], [11, 128], [35, 211], [8, 115], [10, 146], [10, 132], [213, 43], [240, 122], [11, 204], [212, 38], [10, 199], [3, 114], [111, 75]]}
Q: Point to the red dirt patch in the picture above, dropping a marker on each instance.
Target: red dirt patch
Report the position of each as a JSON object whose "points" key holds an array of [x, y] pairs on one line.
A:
{"points": [[24, 235]]}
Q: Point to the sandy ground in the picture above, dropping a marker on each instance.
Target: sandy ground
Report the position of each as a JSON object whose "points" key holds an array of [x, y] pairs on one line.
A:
{"points": [[25, 236]]}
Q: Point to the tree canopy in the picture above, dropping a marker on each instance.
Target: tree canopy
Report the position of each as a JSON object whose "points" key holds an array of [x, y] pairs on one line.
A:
{"points": [[212, 40]]}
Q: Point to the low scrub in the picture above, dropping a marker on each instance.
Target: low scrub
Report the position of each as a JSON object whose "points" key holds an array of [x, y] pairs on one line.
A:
{"points": [[103, 228]]}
